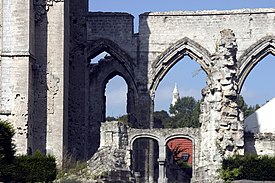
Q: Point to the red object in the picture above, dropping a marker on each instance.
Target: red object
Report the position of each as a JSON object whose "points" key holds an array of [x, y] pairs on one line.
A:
{"points": [[180, 146]]}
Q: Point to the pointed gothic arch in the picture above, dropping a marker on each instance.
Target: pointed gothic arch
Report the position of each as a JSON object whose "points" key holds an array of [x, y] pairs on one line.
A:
{"points": [[253, 55], [111, 69], [100, 45], [175, 53]]}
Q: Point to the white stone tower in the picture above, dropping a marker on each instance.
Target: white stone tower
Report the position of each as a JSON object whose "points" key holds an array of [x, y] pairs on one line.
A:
{"points": [[176, 95]]}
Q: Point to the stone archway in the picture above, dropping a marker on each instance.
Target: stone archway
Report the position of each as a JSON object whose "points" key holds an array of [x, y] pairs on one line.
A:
{"points": [[145, 155], [179, 159], [253, 55], [95, 47], [175, 53], [100, 74], [170, 57], [105, 71]]}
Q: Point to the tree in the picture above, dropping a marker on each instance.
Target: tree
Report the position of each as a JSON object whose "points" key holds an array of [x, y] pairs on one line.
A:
{"points": [[247, 110], [7, 151], [7, 147], [111, 118], [185, 113], [161, 119]]}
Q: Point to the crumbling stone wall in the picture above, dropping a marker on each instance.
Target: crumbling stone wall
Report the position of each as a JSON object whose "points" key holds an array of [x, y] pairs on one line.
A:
{"points": [[259, 143], [116, 151], [49, 89], [218, 41], [220, 117]]}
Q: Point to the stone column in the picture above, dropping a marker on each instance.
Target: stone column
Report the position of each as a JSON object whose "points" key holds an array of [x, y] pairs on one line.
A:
{"points": [[151, 159], [221, 131], [161, 161], [17, 50], [151, 143]]}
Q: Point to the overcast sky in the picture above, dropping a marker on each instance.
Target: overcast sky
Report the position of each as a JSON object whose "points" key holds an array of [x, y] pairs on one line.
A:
{"points": [[258, 87]]}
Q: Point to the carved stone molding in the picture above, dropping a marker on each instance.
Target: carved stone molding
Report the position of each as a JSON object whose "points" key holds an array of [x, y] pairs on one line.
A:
{"points": [[42, 6]]}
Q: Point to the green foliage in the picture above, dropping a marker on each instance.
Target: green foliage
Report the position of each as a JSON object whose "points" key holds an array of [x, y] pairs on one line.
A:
{"points": [[185, 113], [230, 174], [110, 118], [162, 119], [247, 110], [7, 148], [251, 167], [72, 172], [7, 151], [36, 168], [123, 119]]}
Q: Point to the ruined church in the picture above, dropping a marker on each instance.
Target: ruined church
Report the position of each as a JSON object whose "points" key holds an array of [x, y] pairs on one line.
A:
{"points": [[55, 96]]}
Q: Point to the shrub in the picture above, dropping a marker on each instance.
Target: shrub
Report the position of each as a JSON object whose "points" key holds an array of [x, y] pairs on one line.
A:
{"points": [[7, 151], [7, 148], [251, 167], [36, 168]]}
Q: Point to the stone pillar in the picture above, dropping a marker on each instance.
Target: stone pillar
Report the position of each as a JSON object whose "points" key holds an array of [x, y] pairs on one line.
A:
{"points": [[51, 77], [162, 167], [162, 172], [137, 177], [222, 129], [17, 50], [79, 111], [152, 106], [151, 161]]}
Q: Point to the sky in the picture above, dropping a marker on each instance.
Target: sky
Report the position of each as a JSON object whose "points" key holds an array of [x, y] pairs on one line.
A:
{"points": [[258, 88]]}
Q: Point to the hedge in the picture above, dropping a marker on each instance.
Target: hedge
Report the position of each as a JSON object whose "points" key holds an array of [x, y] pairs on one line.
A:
{"points": [[24, 168], [37, 168], [7, 148], [250, 167]]}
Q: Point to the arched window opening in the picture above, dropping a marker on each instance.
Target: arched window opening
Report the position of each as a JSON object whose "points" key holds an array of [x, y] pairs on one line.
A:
{"points": [[145, 159], [100, 57], [116, 99], [179, 155], [258, 87], [177, 98], [257, 100]]}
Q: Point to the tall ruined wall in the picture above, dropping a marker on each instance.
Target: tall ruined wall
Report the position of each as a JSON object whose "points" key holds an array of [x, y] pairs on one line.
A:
{"points": [[49, 130], [17, 56], [50, 96], [159, 31], [78, 83], [217, 40], [117, 27], [113, 33], [33, 77]]}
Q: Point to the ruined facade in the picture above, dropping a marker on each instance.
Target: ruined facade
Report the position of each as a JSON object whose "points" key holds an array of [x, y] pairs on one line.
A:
{"points": [[54, 96]]}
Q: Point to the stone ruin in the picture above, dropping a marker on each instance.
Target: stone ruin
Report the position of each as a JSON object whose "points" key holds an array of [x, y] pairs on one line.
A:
{"points": [[55, 97]]}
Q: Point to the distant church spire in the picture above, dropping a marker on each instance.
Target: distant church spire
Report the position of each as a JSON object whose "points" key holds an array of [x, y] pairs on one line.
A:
{"points": [[176, 95]]}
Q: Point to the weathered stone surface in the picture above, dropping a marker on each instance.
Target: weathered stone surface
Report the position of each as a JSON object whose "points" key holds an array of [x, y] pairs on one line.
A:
{"points": [[55, 97]]}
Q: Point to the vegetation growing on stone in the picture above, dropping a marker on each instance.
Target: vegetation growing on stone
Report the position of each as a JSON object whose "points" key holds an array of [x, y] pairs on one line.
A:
{"points": [[249, 167]]}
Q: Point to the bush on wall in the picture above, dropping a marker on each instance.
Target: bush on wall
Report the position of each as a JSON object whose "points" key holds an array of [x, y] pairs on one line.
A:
{"points": [[250, 167]]}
